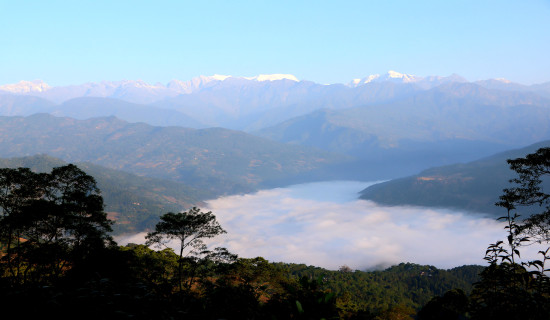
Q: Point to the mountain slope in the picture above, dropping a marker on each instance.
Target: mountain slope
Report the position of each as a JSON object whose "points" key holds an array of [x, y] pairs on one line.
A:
{"points": [[92, 107], [215, 159], [474, 186], [247, 105], [22, 105], [451, 111], [452, 122], [133, 202]]}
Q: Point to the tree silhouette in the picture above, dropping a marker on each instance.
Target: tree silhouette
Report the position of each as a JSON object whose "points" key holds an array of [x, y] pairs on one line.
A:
{"points": [[511, 288], [49, 221], [189, 228]]}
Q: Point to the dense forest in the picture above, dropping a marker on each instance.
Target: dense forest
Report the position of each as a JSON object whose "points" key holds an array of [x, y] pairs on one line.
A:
{"points": [[58, 259]]}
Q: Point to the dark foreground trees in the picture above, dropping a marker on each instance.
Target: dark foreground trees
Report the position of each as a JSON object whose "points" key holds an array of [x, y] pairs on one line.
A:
{"points": [[55, 257], [190, 229], [48, 222], [512, 287]]}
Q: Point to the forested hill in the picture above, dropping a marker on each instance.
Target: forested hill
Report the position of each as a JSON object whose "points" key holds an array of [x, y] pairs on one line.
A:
{"points": [[132, 201], [406, 284], [474, 186], [218, 160]]}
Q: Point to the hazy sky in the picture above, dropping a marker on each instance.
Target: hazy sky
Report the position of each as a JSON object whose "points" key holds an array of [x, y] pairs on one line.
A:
{"points": [[72, 42]]}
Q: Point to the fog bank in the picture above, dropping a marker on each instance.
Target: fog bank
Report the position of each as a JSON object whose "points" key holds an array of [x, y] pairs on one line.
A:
{"points": [[323, 224]]}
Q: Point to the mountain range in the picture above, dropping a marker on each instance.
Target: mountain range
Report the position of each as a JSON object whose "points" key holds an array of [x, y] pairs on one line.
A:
{"points": [[449, 123], [392, 125], [139, 91], [240, 103]]}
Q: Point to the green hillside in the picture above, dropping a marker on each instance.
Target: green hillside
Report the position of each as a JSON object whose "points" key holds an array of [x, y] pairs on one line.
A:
{"points": [[134, 202], [473, 186], [218, 160]]}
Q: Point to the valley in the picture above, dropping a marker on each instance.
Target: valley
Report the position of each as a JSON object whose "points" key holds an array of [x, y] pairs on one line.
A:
{"points": [[380, 127]]}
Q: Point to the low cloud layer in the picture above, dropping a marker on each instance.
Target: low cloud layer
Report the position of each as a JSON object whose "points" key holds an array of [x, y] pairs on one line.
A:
{"points": [[323, 224]]}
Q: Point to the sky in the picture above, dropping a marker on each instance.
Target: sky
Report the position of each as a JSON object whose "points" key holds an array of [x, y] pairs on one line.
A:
{"points": [[323, 224], [73, 42]]}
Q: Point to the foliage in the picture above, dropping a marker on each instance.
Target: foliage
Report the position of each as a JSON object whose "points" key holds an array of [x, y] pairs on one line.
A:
{"points": [[452, 305], [511, 288], [134, 202], [189, 228], [49, 222], [367, 294], [55, 235]]}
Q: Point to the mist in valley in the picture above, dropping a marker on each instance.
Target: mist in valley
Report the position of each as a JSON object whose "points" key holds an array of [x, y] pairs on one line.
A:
{"points": [[323, 224]]}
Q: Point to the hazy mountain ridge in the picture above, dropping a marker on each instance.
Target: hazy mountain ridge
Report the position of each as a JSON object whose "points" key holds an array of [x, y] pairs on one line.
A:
{"points": [[137, 91], [92, 107], [141, 92], [474, 186], [241, 103], [23, 105], [217, 160], [453, 122]]}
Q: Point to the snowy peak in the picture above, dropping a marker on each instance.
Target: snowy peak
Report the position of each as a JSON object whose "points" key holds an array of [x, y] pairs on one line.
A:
{"points": [[26, 87], [390, 76], [358, 82], [273, 77], [194, 84], [503, 80], [397, 77], [200, 82]]}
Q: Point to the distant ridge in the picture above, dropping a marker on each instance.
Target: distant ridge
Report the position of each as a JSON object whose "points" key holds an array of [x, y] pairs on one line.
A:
{"points": [[217, 161], [138, 91], [474, 186]]}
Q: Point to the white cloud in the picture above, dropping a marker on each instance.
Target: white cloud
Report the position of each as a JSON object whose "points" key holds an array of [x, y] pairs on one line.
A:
{"points": [[321, 224]]}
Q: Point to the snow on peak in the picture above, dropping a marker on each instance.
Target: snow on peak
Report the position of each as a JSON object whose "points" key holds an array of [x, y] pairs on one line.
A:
{"points": [[360, 81], [219, 77], [135, 83], [405, 78], [216, 77], [395, 74], [503, 80], [273, 77], [26, 87], [392, 76]]}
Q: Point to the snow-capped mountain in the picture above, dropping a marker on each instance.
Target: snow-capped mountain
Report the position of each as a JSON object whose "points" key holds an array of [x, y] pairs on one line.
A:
{"points": [[396, 77], [391, 76], [246, 103], [186, 87], [197, 83], [25, 87], [273, 77], [136, 91]]}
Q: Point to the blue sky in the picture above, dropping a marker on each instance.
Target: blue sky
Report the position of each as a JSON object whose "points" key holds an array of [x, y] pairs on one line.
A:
{"points": [[72, 42]]}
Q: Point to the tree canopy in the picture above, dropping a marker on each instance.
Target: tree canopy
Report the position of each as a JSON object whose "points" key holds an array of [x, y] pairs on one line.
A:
{"points": [[512, 288], [49, 221], [190, 228]]}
